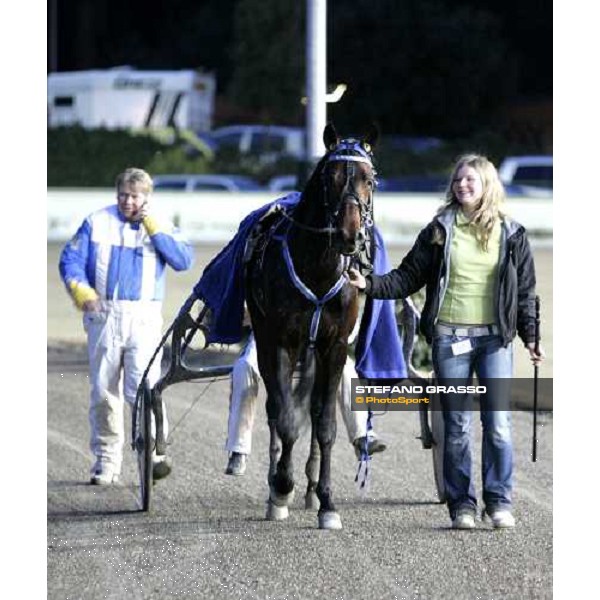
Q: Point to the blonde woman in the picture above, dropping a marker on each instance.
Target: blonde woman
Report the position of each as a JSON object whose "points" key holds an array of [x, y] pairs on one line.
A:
{"points": [[477, 267]]}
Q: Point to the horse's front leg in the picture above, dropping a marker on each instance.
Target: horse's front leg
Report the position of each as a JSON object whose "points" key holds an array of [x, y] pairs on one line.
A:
{"points": [[311, 501], [326, 431], [274, 450], [282, 423]]}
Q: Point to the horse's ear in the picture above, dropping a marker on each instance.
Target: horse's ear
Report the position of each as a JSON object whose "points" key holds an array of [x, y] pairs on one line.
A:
{"points": [[330, 137], [370, 140]]}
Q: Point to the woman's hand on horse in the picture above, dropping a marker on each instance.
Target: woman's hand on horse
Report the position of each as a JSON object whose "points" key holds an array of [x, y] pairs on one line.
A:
{"points": [[356, 278]]}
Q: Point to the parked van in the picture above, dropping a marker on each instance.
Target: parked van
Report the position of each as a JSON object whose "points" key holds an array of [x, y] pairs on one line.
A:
{"points": [[527, 171], [125, 98]]}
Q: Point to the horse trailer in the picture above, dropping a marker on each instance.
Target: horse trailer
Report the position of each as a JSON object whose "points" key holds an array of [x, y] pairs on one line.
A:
{"points": [[125, 98]]}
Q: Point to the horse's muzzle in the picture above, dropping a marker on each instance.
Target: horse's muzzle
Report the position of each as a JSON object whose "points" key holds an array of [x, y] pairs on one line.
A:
{"points": [[361, 237], [352, 245], [352, 233]]}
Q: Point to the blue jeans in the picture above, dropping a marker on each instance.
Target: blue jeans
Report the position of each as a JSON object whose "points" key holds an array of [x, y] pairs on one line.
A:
{"points": [[488, 359]]}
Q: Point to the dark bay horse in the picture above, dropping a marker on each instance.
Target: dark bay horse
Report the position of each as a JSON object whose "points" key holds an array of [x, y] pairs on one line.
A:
{"points": [[303, 310]]}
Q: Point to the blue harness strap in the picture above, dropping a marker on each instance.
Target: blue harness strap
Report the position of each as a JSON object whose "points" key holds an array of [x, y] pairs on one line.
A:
{"points": [[363, 474], [308, 293]]}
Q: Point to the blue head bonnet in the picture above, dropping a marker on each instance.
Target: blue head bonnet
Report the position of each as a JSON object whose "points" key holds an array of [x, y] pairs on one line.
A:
{"points": [[343, 152]]}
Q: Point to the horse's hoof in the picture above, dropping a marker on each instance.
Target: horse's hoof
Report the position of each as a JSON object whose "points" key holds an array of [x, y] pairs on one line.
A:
{"points": [[276, 513], [311, 501], [282, 499], [330, 520]]}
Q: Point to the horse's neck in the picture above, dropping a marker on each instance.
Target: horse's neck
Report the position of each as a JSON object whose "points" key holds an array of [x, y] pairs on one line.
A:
{"points": [[315, 260], [307, 213]]}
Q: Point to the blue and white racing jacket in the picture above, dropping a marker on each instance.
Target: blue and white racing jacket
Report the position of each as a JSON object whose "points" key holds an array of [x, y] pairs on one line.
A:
{"points": [[110, 258]]}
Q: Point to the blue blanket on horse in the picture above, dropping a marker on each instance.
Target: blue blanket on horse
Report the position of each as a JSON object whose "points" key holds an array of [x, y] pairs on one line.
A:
{"points": [[221, 287]]}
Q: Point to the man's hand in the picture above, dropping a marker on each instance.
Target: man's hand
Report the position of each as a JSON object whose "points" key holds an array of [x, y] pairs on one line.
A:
{"points": [[142, 212], [356, 278], [91, 306]]}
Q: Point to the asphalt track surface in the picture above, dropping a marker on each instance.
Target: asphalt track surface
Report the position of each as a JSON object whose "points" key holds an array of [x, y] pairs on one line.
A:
{"points": [[206, 535]]}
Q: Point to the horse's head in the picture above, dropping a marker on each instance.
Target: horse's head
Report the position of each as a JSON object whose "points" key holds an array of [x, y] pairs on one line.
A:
{"points": [[349, 182]]}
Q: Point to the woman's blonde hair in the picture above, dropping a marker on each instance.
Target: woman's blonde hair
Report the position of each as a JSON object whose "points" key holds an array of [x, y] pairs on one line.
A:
{"points": [[491, 205], [135, 175]]}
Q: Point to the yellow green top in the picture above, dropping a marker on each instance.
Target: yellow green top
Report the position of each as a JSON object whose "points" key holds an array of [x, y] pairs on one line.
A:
{"points": [[469, 298]]}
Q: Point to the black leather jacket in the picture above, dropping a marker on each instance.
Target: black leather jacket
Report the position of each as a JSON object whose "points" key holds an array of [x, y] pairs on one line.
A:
{"points": [[427, 263]]}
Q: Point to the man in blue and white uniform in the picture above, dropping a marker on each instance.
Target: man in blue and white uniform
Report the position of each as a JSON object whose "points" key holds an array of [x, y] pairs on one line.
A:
{"points": [[114, 269]]}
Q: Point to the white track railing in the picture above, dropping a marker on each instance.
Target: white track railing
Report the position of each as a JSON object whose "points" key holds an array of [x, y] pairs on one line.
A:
{"points": [[213, 217]]}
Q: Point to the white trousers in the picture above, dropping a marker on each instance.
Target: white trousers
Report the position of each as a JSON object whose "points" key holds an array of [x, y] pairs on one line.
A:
{"points": [[244, 391], [122, 338]]}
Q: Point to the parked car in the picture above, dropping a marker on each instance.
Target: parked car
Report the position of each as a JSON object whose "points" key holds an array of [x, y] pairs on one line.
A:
{"points": [[527, 172], [414, 144], [283, 183], [527, 191], [199, 183], [413, 183], [269, 142]]}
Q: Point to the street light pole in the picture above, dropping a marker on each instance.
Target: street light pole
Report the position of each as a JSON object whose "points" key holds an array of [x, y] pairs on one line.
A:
{"points": [[316, 78], [53, 37]]}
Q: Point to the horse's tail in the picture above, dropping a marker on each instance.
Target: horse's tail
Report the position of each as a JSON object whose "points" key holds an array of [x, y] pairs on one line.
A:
{"points": [[303, 390]]}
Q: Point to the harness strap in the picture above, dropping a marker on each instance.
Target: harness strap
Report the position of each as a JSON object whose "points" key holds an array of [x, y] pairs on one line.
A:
{"points": [[308, 293]]}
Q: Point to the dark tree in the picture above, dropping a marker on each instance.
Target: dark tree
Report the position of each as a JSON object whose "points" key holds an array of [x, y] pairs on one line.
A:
{"points": [[418, 66], [439, 67], [269, 59], [179, 34]]}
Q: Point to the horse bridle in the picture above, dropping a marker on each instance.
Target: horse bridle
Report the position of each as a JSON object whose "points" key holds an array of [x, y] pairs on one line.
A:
{"points": [[341, 153], [338, 154]]}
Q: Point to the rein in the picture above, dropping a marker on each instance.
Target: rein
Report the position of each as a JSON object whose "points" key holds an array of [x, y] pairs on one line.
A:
{"points": [[291, 219]]}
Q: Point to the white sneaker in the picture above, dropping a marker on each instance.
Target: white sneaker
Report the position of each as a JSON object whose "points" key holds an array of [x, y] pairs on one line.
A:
{"points": [[464, 520], [236, 464], [502, 519], [104, 474]]}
